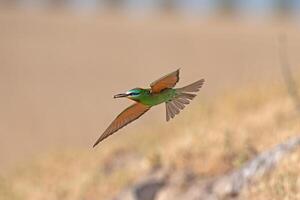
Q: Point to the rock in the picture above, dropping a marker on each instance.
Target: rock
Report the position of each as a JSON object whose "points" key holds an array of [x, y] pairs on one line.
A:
{"points": [[147, 188], [185, 185]]}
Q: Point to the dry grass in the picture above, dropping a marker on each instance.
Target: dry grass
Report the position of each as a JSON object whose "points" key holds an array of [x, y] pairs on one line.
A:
{"points": [[213, 138], [283, 183]]}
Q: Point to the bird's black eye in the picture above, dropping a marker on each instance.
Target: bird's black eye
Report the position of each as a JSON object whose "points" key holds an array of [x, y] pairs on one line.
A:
{"points": [[134, 93]]}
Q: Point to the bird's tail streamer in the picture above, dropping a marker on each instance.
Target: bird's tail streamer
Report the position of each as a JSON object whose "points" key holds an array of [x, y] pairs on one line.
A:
{"points": [[182, 98]]}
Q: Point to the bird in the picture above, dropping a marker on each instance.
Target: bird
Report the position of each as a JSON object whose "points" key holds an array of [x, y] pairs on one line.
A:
{"points": [[160, 91]]}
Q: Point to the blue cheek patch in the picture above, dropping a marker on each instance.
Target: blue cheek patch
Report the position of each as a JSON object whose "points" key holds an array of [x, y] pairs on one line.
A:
{"points": [[134, 92]]}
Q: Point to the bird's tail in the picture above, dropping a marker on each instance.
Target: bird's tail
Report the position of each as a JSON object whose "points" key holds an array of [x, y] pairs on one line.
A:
{"points": [[194, 87], [182, 98]]}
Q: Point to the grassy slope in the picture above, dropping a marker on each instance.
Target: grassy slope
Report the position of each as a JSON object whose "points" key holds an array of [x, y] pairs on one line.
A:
{"points": [[212, 138]]}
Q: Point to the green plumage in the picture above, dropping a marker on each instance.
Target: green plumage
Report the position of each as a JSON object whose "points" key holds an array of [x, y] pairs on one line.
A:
{"points": [[151, 99]]}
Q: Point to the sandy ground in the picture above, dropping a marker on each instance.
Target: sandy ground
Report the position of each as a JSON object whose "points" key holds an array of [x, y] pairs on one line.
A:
{"points": [[58, 72]]}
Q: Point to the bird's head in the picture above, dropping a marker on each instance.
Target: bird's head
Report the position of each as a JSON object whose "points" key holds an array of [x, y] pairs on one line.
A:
{"points": [[134, 94]]}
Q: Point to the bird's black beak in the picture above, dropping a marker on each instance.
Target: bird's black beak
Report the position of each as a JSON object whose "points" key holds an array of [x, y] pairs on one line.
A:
{"points": [[121, 95]]}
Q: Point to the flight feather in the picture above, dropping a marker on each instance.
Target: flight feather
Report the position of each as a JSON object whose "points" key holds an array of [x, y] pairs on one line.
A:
{"points": [[130, 114], [167, 81]]}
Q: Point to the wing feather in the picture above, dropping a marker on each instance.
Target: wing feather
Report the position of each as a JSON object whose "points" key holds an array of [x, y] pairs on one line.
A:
{"points": [[171, 113], [167, 113], [182, 98], [175, 110], [167, 81], [130, 114], [178, 104]]}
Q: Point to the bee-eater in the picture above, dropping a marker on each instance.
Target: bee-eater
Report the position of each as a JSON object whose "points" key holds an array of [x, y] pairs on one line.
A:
{"points": [[161, 91]]}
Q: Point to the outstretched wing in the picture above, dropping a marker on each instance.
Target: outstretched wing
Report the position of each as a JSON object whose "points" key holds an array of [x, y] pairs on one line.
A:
{"points": [[130, 114], [167, 81]]}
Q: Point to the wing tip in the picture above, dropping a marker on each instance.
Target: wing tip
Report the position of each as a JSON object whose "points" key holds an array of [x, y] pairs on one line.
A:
{"points": [[177, 73], [96, 143]]}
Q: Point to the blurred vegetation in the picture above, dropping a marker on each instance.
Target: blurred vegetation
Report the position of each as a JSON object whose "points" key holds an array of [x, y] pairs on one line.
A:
{"points": [[281, 8], [227, 7], [222, 135]]}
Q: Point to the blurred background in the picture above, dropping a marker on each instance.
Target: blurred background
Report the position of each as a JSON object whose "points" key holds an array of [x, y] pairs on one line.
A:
{"points": [[61, 61]]}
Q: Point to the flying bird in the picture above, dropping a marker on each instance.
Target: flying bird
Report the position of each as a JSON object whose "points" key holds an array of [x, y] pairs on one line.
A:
{"points": [[160, 91]]}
